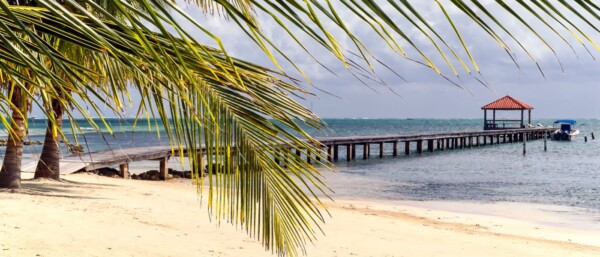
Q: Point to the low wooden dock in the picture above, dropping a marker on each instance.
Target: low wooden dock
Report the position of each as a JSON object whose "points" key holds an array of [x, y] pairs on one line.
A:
{"points": [[430, 142], [415, 143]]}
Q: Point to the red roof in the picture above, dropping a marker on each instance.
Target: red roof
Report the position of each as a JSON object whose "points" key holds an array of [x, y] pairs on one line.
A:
{"points": [[507, 103]]}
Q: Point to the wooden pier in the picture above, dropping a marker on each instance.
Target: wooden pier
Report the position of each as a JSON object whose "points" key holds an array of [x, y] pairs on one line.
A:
{"points": [[411, 144], [430, 142]]}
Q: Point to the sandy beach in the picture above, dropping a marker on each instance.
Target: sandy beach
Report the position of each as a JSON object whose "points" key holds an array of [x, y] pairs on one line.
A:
{"points": [[89, 215]]}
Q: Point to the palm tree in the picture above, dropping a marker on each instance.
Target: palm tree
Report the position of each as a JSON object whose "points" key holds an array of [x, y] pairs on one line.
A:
{"points": [[14, 146], [49, 165], [204, 96]]}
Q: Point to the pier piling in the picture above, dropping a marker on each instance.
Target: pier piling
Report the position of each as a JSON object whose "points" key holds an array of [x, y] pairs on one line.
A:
{"points": [[524, 145], [545, 147], [164, 169], [124, 170], [349, 152], [335, 152]]}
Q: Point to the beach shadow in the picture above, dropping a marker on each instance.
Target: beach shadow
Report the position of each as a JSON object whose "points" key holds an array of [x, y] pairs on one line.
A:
{"points": [[62, 188]]}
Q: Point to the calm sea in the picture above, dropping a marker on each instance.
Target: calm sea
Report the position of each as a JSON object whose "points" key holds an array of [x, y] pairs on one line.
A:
{"points": [[568, 174]]}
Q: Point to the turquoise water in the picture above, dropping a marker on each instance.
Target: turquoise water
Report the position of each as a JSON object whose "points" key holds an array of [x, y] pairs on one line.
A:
{"points": [[568, 174]]}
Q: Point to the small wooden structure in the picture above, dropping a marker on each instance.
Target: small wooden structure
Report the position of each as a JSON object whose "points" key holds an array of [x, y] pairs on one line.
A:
{"points": [[507, 103]]}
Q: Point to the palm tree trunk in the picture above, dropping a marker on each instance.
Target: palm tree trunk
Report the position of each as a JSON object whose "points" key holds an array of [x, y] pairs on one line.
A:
{"points": [[10, 174], [49, 165]]}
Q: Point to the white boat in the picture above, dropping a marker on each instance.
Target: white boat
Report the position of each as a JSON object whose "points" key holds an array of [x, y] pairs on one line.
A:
{"points": [[566, 131]]}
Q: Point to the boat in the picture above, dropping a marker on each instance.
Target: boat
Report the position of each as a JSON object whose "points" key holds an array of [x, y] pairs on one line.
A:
{"points": [[566, 131]]}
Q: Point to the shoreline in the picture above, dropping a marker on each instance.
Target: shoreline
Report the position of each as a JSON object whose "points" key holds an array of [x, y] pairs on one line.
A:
{"points": [[92, 215]]}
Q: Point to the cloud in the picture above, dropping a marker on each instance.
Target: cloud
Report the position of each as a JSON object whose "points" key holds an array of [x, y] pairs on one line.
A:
{"points": [[424, 93]]}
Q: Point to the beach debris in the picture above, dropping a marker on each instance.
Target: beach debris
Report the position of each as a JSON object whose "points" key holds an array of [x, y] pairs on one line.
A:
{"points": [[107, 172], [153, 175], [180, 174], [75, 149], [148, 175]]}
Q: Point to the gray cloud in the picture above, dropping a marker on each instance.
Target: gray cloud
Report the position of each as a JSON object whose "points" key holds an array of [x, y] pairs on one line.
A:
{"points": [[427, 94]]}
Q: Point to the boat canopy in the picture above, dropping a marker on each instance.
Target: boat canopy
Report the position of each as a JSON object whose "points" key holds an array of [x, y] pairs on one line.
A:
{"points": [[572, 122]]}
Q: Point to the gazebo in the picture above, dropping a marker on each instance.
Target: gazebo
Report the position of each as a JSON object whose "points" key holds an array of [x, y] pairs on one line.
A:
{"points": [[506, 103]]}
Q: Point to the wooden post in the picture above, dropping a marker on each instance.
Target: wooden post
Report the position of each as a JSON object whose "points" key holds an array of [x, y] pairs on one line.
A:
{"points": [[308, 158], [522, 111], [455, 143], [276, 158], [430, 145], [477, 141], [593, 135], [395, 151], [335, 152], [330, 153], [498, 139], [349, 152], [164, 169], [407, 148], [462, 142], [381, 150], [524, 145], [318, 158], [366, 150], [353, 151], [420, 146], [522, 135], [529, 117], [484, 119], [201, 163], [124, 170], [545, 147]]}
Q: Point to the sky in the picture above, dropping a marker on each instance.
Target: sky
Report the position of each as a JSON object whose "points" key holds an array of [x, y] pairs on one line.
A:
{"points": [[420, 92], [573, 93]]}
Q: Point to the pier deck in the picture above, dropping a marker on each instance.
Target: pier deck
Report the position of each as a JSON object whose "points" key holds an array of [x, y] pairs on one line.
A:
{"points": [[432, 141]]}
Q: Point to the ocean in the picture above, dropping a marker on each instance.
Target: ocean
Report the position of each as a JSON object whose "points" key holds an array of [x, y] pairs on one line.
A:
{"points": [[568, 174]]}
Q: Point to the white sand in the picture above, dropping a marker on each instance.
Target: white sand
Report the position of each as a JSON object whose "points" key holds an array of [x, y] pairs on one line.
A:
{"points": [[89, 215]]}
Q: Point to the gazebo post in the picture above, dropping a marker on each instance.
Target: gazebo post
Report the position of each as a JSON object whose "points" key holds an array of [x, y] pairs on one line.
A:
{"points": [[484, 119], [522, 118], [529, 116], [494, 117]]}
